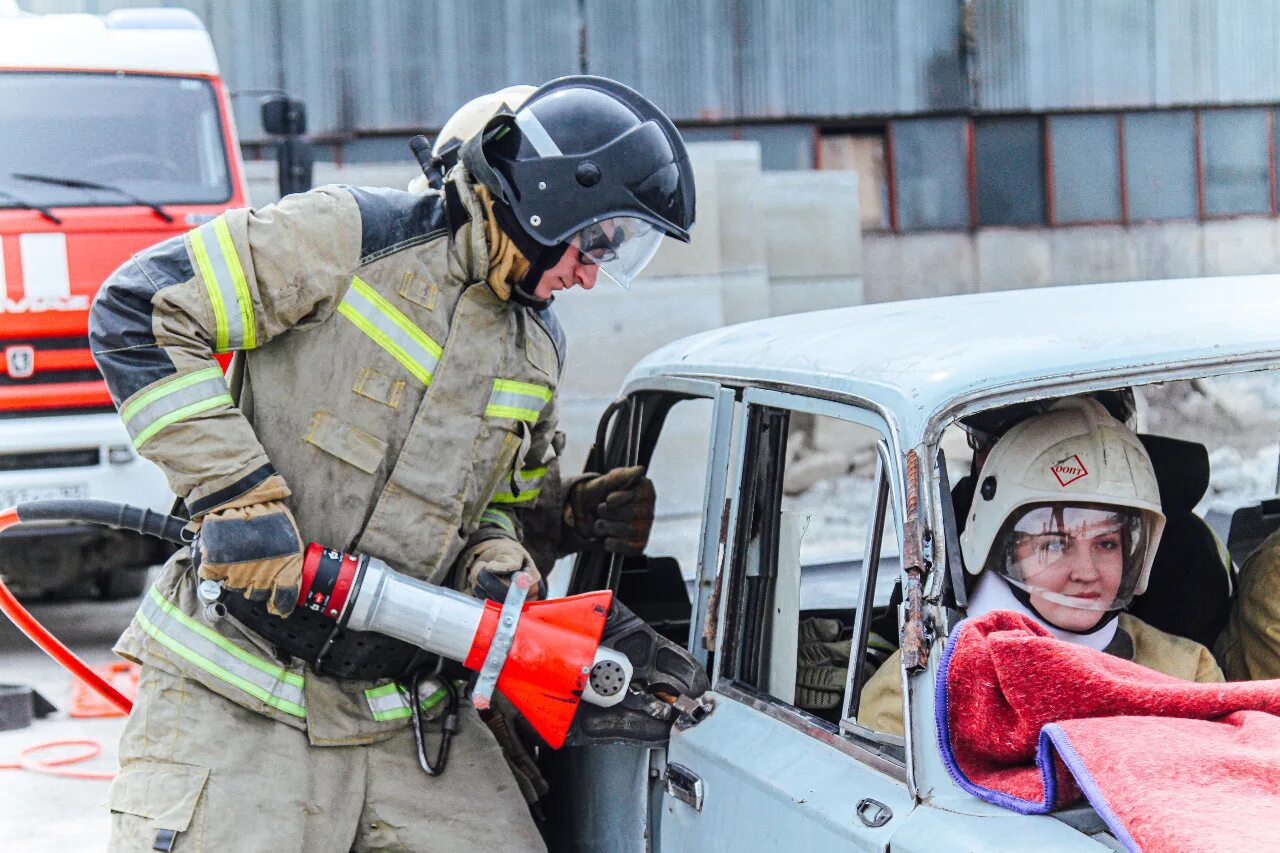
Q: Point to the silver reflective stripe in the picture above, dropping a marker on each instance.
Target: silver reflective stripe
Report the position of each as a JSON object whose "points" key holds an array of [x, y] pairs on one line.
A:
{"points": [[499, 518], [537, 134], [391, 330], [174, 400], [522, 401], [224, 278], [388, 702], [205, 648]]}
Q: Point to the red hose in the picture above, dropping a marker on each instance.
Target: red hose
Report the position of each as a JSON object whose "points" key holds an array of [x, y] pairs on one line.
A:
{"points": [[53, 766], [49, 643]]}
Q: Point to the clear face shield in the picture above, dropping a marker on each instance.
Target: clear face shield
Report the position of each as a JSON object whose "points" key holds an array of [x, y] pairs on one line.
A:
{"points": [[619, 247], [1088, 557]]}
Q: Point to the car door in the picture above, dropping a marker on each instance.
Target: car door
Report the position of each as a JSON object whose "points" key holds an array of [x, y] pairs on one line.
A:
{"points": [[776, 764], [680, 429]]}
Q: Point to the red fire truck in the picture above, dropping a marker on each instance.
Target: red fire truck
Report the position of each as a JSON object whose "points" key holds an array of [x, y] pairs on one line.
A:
{"points": [[115, 133]]}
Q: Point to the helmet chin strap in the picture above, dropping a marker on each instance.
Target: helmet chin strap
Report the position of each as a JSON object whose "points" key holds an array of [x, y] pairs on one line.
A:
{"points": [[993, 592], [541, 258]]}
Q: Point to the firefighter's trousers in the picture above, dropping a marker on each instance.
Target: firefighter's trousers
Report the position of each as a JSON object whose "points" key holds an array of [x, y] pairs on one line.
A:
{"points": [[198, 772]]}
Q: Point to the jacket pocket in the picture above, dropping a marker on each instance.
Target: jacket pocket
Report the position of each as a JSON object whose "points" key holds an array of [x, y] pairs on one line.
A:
{"points": [[162, 792], [515, 440], [379, 387], [351, 445]]}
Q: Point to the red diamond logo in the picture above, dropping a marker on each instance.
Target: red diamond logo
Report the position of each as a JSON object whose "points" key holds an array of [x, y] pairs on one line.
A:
{"points": [[1069, 470]]}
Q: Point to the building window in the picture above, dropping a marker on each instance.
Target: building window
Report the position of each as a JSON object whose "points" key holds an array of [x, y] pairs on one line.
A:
{"points": [[1160, 165], [1010, 171], [861, 152], [1085, 168], [1235, 161], [782, 146], [929, 182]]}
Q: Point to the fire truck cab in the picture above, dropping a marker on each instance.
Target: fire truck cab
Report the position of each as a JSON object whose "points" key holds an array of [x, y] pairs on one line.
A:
{"points": [[115, 133]]}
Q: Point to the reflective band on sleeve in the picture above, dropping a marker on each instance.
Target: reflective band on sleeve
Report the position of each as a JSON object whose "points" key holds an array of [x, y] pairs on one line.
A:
{"points": [[391, 330], [388, 701], [174, 400], [219, 265], [520, 400], [499, 518], [205, 648], [530, 476]]}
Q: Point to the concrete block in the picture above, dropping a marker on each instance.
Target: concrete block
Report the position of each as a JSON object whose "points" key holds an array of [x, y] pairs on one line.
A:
{"points": [[797, 295], [911, 266], [701, 256], [1092, 253], [609, 329], [1240, 247], [746, 295], [1009, 259], [811, 223], [738, 203], [1168, 249]]}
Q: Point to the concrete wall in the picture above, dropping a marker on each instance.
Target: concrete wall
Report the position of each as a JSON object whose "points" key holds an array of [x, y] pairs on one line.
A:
{"points": [[764, 244], [909, 266]]}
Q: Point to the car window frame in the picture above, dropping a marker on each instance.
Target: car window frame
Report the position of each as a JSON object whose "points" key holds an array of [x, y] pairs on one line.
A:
{"points": [[849, 739]]}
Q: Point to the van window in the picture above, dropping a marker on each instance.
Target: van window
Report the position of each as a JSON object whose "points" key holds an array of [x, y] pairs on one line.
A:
{"points": [[157, 137]]}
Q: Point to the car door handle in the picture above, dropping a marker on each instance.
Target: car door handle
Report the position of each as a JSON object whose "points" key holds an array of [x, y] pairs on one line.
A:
{"points": [[685, 785]]}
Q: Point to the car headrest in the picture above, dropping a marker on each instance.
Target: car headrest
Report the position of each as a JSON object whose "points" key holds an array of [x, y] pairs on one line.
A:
{"points": [[1182, 471]]}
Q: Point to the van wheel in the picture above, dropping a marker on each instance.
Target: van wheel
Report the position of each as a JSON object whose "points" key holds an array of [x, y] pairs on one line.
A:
{"points": [[121, 583]]}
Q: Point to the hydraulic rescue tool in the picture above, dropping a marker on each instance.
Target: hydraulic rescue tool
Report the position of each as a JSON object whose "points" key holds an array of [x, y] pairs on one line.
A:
{"points": [[545, 657]]}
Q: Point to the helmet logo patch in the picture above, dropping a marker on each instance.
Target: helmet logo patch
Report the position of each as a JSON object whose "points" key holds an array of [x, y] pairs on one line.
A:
{"points": [[1069, 470]]}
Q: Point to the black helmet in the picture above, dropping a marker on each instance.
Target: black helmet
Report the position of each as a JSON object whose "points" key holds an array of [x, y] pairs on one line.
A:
{"points": [[589, 163]]}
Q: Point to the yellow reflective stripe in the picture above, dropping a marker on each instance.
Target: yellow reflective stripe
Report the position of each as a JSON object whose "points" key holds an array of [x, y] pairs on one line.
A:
{"points": [[391, 330], [155, 609], [179, 415], [243, 297], [174, 400], [522, 401], [499, 518], [228, 646], [528, 475], [388, 702], [526, 496], [526, 388], [220, 335]]}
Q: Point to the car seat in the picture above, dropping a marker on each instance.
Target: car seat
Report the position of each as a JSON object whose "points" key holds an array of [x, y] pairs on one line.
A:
{"points": [[1189, 592]]}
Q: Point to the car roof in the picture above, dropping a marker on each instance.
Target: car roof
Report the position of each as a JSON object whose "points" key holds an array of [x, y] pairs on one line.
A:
{"points": [[919, 359]]}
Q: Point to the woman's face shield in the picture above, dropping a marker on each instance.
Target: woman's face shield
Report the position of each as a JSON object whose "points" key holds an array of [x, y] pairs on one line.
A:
{"points": [[620, 247], [1073, 557]]}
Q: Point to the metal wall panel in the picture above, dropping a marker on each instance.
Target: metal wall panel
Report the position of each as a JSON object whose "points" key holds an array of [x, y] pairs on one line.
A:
{"points": [[837, 58], [392, 65], [679, 53], [1096, 54]]}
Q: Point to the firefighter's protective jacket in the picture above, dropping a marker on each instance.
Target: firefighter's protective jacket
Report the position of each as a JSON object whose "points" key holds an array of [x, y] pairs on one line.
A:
{"points": [[408, 406]]}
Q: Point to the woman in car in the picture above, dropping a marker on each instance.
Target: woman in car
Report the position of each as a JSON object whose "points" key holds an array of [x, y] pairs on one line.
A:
{"points": [[1063, 528]]}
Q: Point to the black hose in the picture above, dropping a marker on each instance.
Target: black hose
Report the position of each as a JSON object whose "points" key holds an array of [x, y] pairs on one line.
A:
{"points": [[112, 514]]}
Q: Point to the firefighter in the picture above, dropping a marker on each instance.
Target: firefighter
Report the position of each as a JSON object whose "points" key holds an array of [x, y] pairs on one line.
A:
{"points": [[393, 393], [1064, 527]]}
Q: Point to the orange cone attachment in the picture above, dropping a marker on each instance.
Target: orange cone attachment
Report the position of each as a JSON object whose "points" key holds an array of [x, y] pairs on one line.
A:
{"points": [[550, 660]]}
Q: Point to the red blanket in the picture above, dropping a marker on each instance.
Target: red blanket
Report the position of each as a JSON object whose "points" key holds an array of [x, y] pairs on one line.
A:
{"points": [[1030, 723]]}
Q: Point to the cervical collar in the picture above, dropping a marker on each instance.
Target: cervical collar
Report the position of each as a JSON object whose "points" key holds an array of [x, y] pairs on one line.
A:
{"points": [[992, 593]]}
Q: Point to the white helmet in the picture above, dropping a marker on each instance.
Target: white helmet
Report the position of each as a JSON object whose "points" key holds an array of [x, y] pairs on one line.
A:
{"points": [[1072, 471], [468, 120]]}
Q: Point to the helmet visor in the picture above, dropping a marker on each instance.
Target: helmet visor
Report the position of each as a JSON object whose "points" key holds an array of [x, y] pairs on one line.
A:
{"points": [[1088, 557], [620, 247]]}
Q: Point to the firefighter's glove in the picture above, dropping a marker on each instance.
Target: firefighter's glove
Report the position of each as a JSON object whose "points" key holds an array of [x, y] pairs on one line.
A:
{"points": [[254, 550], [822, 661], [616, 507], [490, 564]]}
